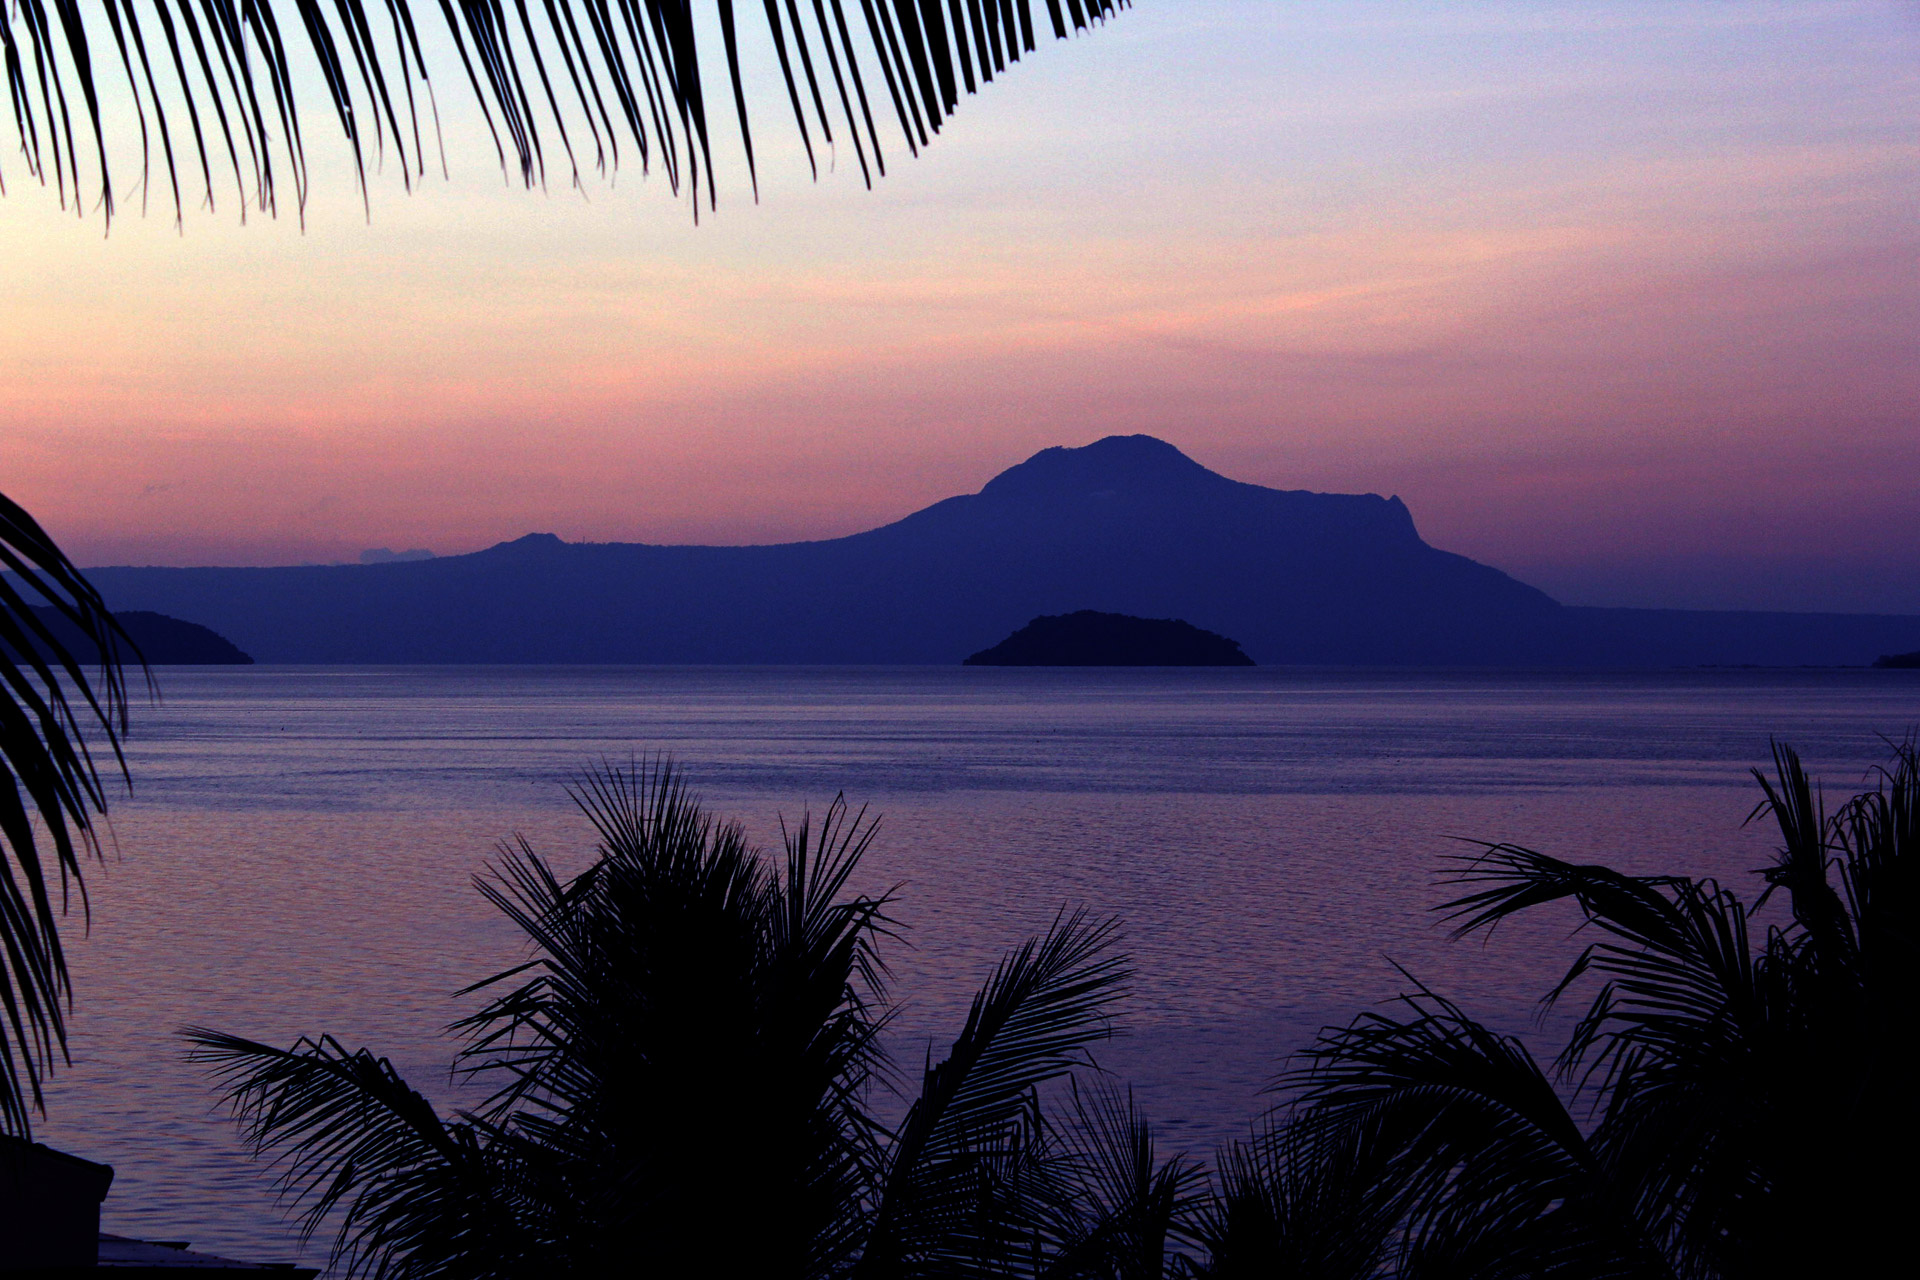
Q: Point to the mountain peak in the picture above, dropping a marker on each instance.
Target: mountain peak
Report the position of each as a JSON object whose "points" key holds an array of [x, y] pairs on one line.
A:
{"points": [[529, 543], [1115, 463]]}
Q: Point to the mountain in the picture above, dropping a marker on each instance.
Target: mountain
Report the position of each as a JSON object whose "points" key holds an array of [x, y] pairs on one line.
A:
{"points": [[1128, 524], [1090, 638]]}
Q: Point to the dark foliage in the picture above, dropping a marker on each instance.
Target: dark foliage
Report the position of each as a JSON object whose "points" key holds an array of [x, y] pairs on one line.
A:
{"points": [[50, 788], [1741, 1104], [562, 82], [695, 1042], [1118, 1209], [684, 1073]]}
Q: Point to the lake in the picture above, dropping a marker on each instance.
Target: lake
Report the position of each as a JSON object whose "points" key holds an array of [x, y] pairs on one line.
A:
{"points": [[297, 852]]}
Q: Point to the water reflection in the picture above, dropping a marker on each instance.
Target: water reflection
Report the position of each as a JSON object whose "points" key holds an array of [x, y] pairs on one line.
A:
{"points": [[297, 854]]}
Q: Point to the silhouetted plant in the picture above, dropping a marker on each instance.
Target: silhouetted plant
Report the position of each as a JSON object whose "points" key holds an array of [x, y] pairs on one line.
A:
{"points": [[577, 73], [50, 790], [1298, 1201], [695, 1044], [1747, 1104], [685, 1072], [1119, 1209], [212, 87]]}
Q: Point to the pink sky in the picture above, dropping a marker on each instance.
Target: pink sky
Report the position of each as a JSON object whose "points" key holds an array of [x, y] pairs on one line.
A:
{"points": [[1623, 298]]}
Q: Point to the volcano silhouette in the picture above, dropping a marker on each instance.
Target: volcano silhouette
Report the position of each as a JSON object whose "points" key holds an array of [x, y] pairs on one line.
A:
{"points": [[1126, 525]]}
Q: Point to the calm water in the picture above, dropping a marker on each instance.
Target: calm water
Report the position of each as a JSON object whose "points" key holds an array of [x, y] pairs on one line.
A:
{"points": [[297, 853]]}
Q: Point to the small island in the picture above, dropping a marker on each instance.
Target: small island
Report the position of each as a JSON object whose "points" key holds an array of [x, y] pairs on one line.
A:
{"points": [[1900, 661], [1093, 639], [162, 641]]}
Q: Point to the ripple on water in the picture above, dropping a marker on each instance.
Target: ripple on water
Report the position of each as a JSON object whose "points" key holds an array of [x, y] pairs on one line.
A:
{"points": [[297, 854]]}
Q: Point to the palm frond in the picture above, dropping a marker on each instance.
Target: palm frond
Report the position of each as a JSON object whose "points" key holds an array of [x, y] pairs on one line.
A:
{"points": [[946, 1196], [212, 84], [686, 1003], [1310, 1202], [827, 986], [1521, 879], [669, 911], [414, 1192], [1467, 1146], [1747, 1092], [1716, 1059], [1434, 1063], [1670, 1048], [1677, 964], [1878, 835], [1835, 1107], [817, 918], [50, 788], [1120, 1210], [1805, 853]]}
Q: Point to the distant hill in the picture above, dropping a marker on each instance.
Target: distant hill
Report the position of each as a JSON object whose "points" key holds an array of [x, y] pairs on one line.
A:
{"points": [[1128, 525], [1090, 638], [163, 641]]}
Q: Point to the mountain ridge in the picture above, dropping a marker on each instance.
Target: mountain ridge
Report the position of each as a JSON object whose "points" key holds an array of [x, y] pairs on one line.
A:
{"points": [[1127, 525]]}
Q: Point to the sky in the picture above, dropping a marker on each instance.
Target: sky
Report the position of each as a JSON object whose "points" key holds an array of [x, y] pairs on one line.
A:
{"points": [[1620, 297]]}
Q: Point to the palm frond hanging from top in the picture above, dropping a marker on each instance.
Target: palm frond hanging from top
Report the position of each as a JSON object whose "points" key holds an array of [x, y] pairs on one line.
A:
{"points": [[561, 83]]}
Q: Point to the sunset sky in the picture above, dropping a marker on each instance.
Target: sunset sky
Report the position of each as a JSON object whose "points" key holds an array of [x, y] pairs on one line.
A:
{"points": [[1621, 297]]}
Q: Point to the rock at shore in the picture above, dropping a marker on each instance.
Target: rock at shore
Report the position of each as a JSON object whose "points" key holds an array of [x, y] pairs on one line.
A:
{"points": [[1093, 639]]}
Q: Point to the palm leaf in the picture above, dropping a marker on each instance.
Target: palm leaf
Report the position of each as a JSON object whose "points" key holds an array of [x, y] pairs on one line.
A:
{"points": [[416, 1194], [827, 994], [1309, 1202], [687, 1003], [1805, 852], [947, 1193], [1678, 960], [1740, 1081], [50, 789], [1120, 1208], [1747, 1094], [1674, 1047], [1466, 1147], [561, 85], [1878, 834]]}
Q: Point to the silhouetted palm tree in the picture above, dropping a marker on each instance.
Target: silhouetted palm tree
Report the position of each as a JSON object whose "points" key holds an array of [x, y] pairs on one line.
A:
{"points": [[212, 88], [684, 1076], [1749, 1109], [50, 790], [564, 82], [1119, 1211]]}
